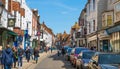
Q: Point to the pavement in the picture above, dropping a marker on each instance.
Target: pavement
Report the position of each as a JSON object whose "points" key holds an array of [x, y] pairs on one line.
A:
{"points": [[47, 61], [32, 63]]}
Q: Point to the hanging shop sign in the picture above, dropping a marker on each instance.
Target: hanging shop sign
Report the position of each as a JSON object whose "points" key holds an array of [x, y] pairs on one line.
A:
{"points": [[11, 22]]}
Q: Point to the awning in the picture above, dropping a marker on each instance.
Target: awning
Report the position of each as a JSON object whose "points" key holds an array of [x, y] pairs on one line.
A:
{"points": [[9, 31], [113, 29], [12, 33]]}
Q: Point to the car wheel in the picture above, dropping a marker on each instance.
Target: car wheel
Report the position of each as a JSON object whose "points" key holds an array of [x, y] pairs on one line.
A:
{"points": [[77, 67], [81, 67]]}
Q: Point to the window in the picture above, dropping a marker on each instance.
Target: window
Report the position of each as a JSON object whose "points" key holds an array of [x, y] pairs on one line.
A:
{"points": [[117, 16], [88, 10], [109, 20], [117, 12], [94, 25], [110, 1], [89, 27], [103, 21], [117, 7], [93, 4]]}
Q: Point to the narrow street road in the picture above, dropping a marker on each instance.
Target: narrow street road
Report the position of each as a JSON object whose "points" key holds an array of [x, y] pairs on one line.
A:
{"points": [[54, 62]]}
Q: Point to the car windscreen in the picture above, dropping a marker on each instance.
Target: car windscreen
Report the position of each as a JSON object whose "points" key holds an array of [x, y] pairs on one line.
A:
{"points": [[69, 50], [87, 55], [109, 59], [78, 50]]}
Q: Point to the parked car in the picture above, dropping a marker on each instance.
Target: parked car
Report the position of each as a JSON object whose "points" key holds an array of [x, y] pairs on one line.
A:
{"points": [[66, 47], [84, 58], [72, 55], [76, 53], [104, 61], [67, 55]]}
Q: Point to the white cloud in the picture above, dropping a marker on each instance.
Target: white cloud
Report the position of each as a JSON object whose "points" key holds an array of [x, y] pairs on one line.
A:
{"points": [[55, 3], [64, 6]]}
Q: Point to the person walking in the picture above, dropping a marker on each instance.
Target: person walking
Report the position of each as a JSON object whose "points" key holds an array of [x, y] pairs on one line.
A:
{"points": [[20, 56], [15, 56], [7, 57], [63, 51], [28, 54], [58, 52], [51, 49], [31, 53], [36, 54], [0, 54]]}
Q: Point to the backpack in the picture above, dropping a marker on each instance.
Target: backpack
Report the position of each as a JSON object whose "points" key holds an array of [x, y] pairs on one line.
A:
{"points": [[8, 58]]}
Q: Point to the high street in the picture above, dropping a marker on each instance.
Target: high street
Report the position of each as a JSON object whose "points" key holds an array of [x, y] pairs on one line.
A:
{"points": [[52, 61]]}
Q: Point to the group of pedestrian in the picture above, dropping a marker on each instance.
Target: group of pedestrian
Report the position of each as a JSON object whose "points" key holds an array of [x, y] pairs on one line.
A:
{"points": [[10, 56], [61, 51]]}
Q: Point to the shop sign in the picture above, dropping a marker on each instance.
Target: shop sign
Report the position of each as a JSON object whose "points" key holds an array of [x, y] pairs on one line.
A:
{"points": [[11, 22], [113, 29]]}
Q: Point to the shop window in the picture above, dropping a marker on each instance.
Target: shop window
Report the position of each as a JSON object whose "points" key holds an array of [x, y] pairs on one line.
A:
{"points": [[109, 20]]}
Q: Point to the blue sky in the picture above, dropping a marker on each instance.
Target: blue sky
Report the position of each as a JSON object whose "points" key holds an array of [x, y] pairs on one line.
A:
{"points": [[59, 15]]}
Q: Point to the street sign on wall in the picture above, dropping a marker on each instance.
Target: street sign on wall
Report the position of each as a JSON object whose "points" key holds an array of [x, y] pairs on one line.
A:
{"points": [[11, 22]]}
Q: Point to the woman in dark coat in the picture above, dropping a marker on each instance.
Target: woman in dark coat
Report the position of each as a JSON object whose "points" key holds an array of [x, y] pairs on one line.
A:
{"points": [[15, 57], [28, 54], [36, 54]]}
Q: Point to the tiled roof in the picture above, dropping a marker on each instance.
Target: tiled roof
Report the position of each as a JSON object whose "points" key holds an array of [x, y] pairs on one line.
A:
{"points": [[76, 26]]}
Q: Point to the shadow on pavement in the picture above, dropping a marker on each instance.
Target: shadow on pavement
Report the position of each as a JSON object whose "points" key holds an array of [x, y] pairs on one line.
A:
{"points": [[67, 64]]}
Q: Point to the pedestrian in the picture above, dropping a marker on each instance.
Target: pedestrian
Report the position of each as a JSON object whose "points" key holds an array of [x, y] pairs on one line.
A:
{"points": [[20, 56], [51, 49], [46, 49], [63, 51], [1, 57], [36, 54], [92, 48], [15, 56], [31, 53], [7, 57], [27, 52], [0, 53], [58, 52]]}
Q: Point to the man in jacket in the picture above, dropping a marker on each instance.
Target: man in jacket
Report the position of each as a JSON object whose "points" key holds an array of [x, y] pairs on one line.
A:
{"points": [[20, 55], [7, 57]]}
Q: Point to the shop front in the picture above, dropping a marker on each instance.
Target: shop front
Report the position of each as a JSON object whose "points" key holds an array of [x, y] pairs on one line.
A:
{"points": [[114, 38], [104, 40], [92, 41], [7, 37]]}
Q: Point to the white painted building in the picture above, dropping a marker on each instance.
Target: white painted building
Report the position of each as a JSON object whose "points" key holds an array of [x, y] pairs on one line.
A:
{"points": [[46, 35]]}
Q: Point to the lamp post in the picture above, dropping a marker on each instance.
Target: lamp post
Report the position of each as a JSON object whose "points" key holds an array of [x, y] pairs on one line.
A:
{"points": [[98, 47]]}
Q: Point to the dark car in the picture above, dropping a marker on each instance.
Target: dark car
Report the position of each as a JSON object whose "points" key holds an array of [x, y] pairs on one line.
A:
{"points": [[76, 53], [84, 58], [104, 61], [68, 53]]}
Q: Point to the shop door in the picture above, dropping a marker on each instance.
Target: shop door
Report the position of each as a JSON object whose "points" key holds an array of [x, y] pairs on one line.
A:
{"points": [[105, 45]]}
